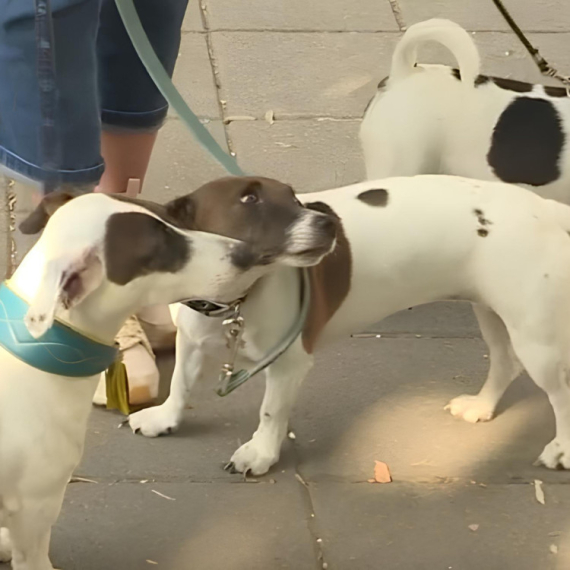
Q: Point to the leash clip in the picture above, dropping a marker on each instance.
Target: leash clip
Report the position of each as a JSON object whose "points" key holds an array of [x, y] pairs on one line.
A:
{"points": [[228, 381]]}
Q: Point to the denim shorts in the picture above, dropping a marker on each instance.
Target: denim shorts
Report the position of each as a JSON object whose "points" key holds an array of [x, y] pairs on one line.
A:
{"points": [[99, 81]]}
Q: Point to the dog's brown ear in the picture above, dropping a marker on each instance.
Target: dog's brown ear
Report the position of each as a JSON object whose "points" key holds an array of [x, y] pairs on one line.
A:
{"points": [[183, 211], [38, 219], [137, 244]]}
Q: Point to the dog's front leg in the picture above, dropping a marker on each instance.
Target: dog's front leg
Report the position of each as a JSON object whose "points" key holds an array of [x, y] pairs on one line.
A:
{"points": [[283, 380], [192, 363]]}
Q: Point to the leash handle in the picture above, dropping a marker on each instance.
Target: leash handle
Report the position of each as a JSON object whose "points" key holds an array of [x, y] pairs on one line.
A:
{"points": [[163, 82], [229, 381]]}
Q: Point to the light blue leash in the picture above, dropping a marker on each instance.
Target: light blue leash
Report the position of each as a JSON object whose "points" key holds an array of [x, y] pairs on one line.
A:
{"points": [[164, 84], [229, 380]]}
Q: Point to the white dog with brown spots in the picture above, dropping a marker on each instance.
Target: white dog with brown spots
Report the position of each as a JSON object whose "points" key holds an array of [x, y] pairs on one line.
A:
{"points": [[99, 260], [400, 242]]}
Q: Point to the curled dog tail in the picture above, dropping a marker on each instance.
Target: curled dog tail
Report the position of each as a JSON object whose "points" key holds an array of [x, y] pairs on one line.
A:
{"points": [[444, 32]]}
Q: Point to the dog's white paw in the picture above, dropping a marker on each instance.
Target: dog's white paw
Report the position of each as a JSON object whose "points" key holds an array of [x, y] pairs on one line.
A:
{"points": [[472, 409], [5, 545], [556, 455], [255, 457], [152, 422]]}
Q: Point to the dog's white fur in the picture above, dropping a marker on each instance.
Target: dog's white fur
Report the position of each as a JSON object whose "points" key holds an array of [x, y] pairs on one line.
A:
{"points": [[425, 121], [428, 243], [43, 417]]}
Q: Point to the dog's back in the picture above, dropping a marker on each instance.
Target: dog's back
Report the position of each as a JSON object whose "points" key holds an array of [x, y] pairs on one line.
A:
{"points": [[430, 119]]}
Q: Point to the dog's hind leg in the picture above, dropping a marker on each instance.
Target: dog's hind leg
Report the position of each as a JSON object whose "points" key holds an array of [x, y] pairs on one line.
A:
{"points": [[5, 545], [504, 367], [283, 380], [549, 367]]}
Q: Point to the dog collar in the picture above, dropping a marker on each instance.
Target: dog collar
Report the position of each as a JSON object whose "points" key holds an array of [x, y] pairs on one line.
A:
{"points": [[211, 309], [61, 350]]}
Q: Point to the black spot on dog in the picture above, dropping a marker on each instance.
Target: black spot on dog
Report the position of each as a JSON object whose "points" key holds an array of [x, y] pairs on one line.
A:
{"points": [[382, 84], [375, 197], [513, 85], [137, 244], [503, 83], [481, 217], [479, 80], [483, 232], [555, 91], [527, 143], [482, 80]]}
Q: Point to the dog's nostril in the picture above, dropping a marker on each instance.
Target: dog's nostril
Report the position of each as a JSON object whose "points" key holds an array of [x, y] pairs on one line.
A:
{"points": [[326, 224]]}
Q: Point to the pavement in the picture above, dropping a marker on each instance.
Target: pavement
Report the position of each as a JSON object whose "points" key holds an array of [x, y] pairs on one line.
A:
{"points": [[283, 85]]}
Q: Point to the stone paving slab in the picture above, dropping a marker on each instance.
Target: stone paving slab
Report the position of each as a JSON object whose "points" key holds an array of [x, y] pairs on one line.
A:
{"points": [[179, 165], [383, 399], [503, 55], [539, 15], [446, 319], [210, 433], [300, 74], [426, 527], [193, 19], [194, 78], [241, 526], [337, 15], [287, 151]]}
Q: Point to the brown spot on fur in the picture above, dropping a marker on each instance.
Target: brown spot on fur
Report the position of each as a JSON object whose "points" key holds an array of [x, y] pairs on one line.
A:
{"points": [[330, 284], [374, 197], [137, 244], [482, 232]]}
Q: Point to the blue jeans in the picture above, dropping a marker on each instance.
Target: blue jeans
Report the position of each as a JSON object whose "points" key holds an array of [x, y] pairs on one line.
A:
{"points": [[99, 82]]}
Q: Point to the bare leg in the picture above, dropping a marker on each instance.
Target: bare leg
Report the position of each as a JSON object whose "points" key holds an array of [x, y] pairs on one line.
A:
{"points": [[504, 367], [283, 381]]}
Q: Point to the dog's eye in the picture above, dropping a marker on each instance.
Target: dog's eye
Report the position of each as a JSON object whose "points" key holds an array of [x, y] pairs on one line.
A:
{"points": [[249, 199]]}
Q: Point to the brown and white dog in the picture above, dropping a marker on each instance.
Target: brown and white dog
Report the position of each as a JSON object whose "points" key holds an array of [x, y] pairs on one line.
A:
{"points": [[99, 260], [400, 242], [433, 119]]}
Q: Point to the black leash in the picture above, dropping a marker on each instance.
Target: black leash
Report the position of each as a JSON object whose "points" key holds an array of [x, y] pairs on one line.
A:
{"points": [[544, 67]]}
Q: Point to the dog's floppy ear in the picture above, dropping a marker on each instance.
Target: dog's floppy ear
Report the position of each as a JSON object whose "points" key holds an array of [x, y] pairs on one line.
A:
{"points": [[66, 281], [183, 211], [38, 219], [137, 244]]}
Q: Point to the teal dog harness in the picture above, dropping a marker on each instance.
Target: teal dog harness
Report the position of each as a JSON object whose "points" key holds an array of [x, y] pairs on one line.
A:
{"points": [[61, 350]]}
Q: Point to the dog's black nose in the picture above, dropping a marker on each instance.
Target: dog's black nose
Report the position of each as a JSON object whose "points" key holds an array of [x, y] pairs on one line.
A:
{"points": [[326, 224]]}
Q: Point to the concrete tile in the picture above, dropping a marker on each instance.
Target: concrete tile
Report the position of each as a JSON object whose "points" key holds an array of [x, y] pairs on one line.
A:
{"points": [[206, 527], [450, 319], [503, 55], [383, 399], [309, 154], [179, 164], [367, 15], [542, 15], [300, 74], [403, 527], [194, 78], [193, 18], [212, 430]]}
